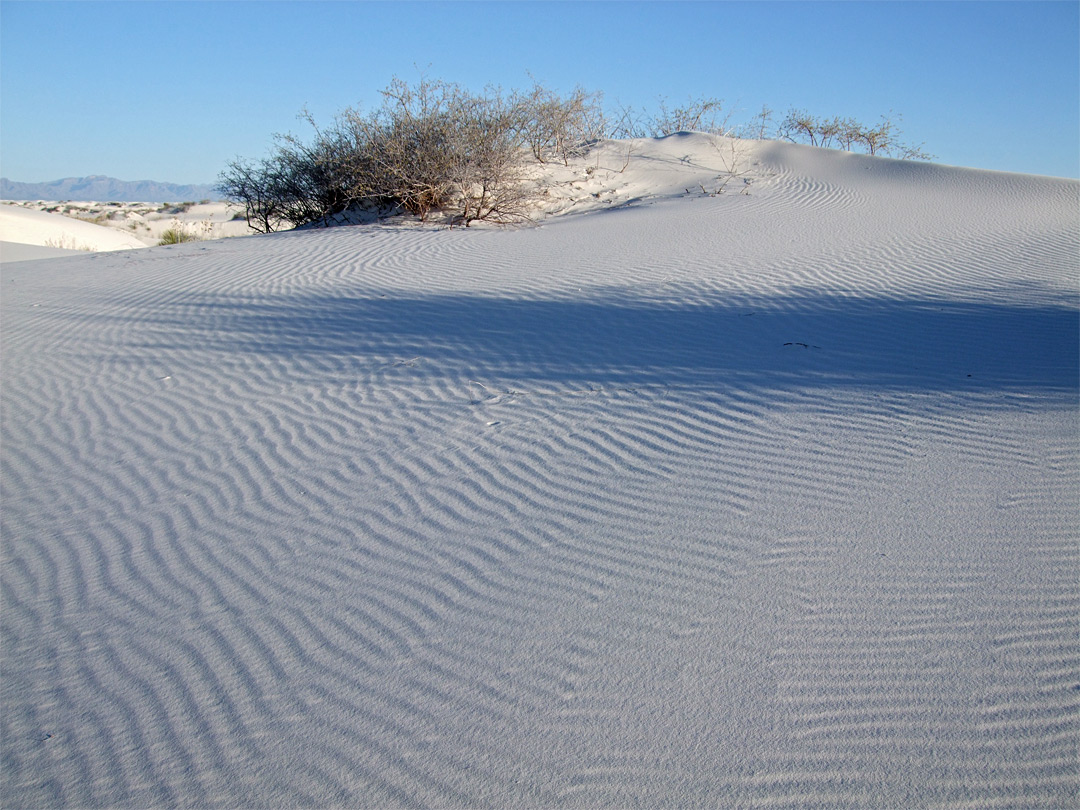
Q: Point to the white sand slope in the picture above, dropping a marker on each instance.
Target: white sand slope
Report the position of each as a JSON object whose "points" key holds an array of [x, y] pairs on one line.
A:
{"points": [[28, 227], [42, 229], [760, 500]]}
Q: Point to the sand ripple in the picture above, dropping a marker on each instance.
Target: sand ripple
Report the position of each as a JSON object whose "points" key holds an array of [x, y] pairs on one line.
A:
{"points": [[650, 508]]}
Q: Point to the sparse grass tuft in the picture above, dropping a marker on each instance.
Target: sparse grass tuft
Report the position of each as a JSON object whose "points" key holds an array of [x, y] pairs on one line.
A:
{"points": [[177, 234], [67, 242]]}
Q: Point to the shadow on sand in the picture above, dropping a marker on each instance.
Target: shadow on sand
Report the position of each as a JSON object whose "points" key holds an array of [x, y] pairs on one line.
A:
{"points": [[803, 339]]}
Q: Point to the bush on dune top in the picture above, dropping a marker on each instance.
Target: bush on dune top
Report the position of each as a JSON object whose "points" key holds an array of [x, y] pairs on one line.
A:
{"points": [[849, 134], [435, 146], [432, 146]]}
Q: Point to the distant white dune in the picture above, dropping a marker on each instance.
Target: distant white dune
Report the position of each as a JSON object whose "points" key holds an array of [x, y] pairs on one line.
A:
{"points": [[29, 227], [756, 484], [34, 229]]}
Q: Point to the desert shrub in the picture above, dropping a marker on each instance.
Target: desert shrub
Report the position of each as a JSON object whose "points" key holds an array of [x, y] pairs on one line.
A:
{"points": [[703, 114], [849, 134], [307, 183], [487, 169], [759, 127], [405, 155], [434, 146], [697, 115], [429, 146], [560, 128], [252, 185]]}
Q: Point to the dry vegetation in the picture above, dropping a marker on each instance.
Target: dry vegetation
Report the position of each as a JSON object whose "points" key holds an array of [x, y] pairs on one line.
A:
{"points": [[436, 147]]}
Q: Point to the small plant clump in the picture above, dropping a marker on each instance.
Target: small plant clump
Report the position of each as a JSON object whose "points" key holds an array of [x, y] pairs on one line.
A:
{"points": [[177, 233], [174, 236], [67, 242]]}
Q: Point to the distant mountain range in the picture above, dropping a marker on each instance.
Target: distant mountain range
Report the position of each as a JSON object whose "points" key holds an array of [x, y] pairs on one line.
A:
{"points": [[98, 188]]}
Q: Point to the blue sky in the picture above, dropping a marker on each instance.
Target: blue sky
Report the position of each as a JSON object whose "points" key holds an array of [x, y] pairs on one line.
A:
{"points": [[171, 91]]}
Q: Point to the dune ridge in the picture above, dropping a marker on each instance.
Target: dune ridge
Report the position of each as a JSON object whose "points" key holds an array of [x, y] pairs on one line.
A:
{"points": [[762, 499]]}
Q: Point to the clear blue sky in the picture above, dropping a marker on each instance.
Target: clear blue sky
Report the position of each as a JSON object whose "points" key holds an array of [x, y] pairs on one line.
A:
{"points": [[171, 91]]}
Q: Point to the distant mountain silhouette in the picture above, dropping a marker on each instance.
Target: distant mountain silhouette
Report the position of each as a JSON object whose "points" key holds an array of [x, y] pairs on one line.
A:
{"points": [[98, 188]]}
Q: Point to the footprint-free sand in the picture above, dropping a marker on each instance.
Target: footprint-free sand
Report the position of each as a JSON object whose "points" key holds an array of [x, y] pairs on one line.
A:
{"points": [[762, 499]]}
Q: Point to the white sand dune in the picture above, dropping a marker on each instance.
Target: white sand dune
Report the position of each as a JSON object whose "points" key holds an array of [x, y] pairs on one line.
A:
{"points": [[747, 500], [40, 229], [21, 252], [29, 227]]}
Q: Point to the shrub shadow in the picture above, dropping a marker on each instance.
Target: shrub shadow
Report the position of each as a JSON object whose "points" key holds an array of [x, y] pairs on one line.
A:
{"points": [[803, 339]]}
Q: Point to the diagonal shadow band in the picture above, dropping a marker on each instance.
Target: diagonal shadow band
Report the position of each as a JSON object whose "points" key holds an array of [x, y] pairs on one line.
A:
{"points": [[803, 339]]}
